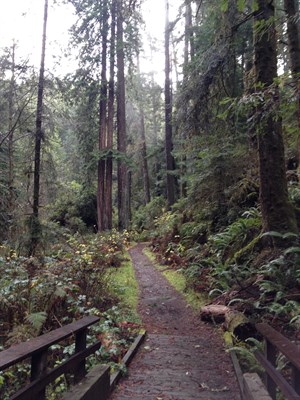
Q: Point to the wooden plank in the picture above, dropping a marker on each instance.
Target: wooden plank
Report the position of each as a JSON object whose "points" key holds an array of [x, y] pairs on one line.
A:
{"points": [[29, 391], [127, 358], [133, 348], [271, 355], [95, 386], [253, 388], [237, 370], [287, 390], [24, 350], [284, 345]]}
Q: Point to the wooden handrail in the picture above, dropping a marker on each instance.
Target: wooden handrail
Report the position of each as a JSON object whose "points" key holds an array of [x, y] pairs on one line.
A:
{"points": [[283, 344], [37, 349], [30, 391], [275, 342]]}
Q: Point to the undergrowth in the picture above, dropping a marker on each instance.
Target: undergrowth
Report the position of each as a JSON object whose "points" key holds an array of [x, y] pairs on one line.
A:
{"points": [[85, 275]]}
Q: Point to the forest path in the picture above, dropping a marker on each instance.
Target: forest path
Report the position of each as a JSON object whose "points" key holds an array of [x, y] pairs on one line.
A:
{"points": [[183, 358]]}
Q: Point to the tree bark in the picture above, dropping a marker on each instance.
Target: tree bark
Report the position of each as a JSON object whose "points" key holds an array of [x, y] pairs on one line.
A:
{"points": [[102, 122], [143, 146], [11, 129], [35, 229], [188, 55], [121, 122], [292, 10], [110, 119], [170, 162], [155, 107], [277, 213], [190, 31], [146, 183]]}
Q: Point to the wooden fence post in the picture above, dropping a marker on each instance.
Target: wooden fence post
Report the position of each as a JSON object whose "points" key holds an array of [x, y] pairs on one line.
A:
{"points": [[38, 369], [296, 379], [270, 351], [80, 344]]}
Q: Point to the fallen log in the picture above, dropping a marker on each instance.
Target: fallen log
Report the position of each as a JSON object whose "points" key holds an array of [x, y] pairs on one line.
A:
{"points": [[214, 313], [233, 321]]}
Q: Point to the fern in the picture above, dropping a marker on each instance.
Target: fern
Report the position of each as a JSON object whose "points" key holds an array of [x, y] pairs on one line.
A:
{"points": [[247, 358], [37, 320], [236, 234]]}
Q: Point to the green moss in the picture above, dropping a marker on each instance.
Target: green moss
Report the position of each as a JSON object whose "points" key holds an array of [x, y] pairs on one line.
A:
{"points": [[178, 281], [245, 250], [123, 285]]}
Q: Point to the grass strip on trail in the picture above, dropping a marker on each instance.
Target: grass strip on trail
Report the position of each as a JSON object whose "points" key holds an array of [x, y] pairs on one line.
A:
{"points": [[177, 279], [123, 285]]}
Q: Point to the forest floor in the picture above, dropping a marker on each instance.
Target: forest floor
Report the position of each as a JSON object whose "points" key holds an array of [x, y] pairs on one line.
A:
{"points": [[183, 358]]}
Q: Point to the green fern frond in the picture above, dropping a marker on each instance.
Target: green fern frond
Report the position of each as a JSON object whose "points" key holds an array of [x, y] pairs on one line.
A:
{"points": [[37, 319]]}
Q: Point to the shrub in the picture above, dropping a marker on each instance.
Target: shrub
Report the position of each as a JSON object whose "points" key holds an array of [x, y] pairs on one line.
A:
{"points": [[75, 209]]}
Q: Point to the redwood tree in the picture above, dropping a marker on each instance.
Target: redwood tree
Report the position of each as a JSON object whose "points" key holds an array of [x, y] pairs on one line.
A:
{"points": [[123, 212], [170, 162], [102, 122], [143, 144], [277, 213], [11, 130], [292, 10], [110, 119], [34, 220]]}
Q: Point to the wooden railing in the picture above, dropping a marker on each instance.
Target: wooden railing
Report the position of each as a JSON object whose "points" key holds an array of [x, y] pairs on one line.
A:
{"points": [[37, 350], [276, 343]]}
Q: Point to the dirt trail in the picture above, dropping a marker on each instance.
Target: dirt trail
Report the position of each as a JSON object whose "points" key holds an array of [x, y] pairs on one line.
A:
{"points": [[183, 358]]}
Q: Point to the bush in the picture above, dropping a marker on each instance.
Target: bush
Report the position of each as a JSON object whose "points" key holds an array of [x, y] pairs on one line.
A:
{"points": [[40, 294], [146, 216], [75, 209]]}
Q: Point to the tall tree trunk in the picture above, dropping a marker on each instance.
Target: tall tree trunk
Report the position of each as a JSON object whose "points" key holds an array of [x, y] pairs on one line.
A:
{"points": [[121, 122], [143, 145], [11, 132], [190, 31], [170, 162], [102, 122], [277, 213], [129, 197], [154, 109], [110, 119], [35, 228], [188, 54], [292, 10], [145, 169]]}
